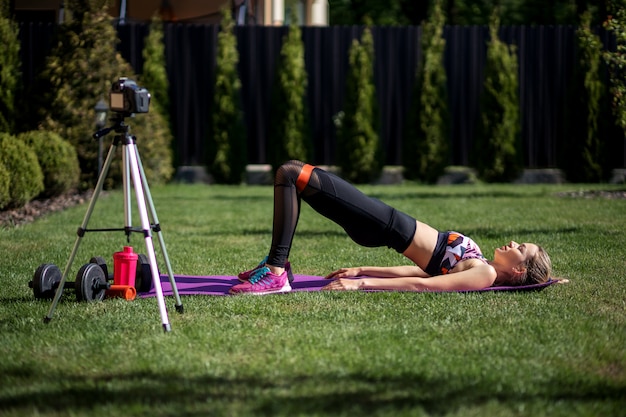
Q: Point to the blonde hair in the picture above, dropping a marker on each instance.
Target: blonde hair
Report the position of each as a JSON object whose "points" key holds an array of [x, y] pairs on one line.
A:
{"points": [[538, 269]]}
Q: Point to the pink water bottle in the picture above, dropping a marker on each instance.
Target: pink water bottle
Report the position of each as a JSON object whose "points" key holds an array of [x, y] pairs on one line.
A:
{"points": [[124, 267]]}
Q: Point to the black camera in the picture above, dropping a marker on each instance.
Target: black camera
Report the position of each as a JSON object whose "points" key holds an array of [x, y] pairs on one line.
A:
{"points": [[127, 97]]}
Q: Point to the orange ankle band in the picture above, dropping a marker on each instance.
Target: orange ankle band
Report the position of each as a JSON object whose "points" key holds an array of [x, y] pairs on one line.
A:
{"points": [[304, 177]]}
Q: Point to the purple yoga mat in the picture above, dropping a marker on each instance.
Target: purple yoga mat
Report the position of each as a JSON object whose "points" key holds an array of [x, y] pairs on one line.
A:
{"points": [[220, 284]]}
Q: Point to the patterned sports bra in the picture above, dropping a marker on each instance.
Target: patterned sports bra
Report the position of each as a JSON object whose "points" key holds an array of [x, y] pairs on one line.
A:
{"points": [[452, 248]]}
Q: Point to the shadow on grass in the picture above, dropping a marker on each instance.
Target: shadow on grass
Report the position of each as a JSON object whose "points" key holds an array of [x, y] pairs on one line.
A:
{"points": [[321, 394], [458, 194]]}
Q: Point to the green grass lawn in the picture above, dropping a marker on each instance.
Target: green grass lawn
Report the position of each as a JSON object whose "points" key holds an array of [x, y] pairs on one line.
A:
{"points": [[557, 352]]}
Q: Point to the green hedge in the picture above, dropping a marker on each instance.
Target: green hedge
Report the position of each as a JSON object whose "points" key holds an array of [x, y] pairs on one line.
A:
{"points": [[57, 159], [5, 184], [26, 178]]}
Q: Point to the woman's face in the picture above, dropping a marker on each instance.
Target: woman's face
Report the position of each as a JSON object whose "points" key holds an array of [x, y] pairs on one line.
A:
{"points": [[514, 254]]}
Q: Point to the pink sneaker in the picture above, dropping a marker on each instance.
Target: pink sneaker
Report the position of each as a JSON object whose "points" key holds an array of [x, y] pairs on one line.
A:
{"points": [[263, 281], [245, 275]]}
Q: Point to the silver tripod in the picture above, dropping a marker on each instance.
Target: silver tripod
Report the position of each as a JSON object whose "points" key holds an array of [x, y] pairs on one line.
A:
{"points": [[131, 169]]}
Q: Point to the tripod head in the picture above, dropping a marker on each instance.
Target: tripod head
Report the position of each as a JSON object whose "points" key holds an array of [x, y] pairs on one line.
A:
{"points": [[118, 126]]}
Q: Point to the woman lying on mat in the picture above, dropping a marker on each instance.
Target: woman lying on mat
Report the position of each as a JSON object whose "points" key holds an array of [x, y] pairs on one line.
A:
{"points": [[444, 260]]}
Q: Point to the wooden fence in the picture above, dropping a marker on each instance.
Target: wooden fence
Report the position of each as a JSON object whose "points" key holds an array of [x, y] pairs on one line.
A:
{"points": [[546, 60]]}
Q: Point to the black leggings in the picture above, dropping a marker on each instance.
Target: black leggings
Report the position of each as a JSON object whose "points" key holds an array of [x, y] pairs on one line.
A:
{"points": [[368, 221]]}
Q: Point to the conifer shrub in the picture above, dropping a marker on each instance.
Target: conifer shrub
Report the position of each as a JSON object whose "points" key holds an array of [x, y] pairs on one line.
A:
{"points": [[57, 159], [10, 74], [426, 148], [359, 151], [497, 150], [227, 141], [289, 136], [583, 148], [26, 178], [79, 72]]}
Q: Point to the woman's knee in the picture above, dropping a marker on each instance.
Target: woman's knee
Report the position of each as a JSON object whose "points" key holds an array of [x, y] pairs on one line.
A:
{"points": [[288, 172]]}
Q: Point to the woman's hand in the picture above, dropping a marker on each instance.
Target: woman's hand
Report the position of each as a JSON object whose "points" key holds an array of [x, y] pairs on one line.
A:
{"points": [[344, 273], [343, 284]]}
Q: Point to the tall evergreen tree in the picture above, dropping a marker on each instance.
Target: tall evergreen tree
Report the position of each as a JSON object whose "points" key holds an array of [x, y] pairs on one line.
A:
{"points": [[5, 8], [359, 151], [154, 74], [289, 136], [616, 61], [227, 146], [426, 142], [497, 152], [79, 72], [583, 145], [10, 74]]}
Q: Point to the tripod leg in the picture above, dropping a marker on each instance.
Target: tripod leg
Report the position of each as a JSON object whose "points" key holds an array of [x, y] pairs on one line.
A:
{"points": [[131, 152], [127, 195], [148, 195], [81, 231]]}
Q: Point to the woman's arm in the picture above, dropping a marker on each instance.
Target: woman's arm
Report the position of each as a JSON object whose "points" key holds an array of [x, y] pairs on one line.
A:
{"points": [[379, 272], [474, 278]]}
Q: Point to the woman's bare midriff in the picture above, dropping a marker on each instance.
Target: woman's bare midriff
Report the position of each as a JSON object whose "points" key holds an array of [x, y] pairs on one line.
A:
{"points": [[423, 245]]}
